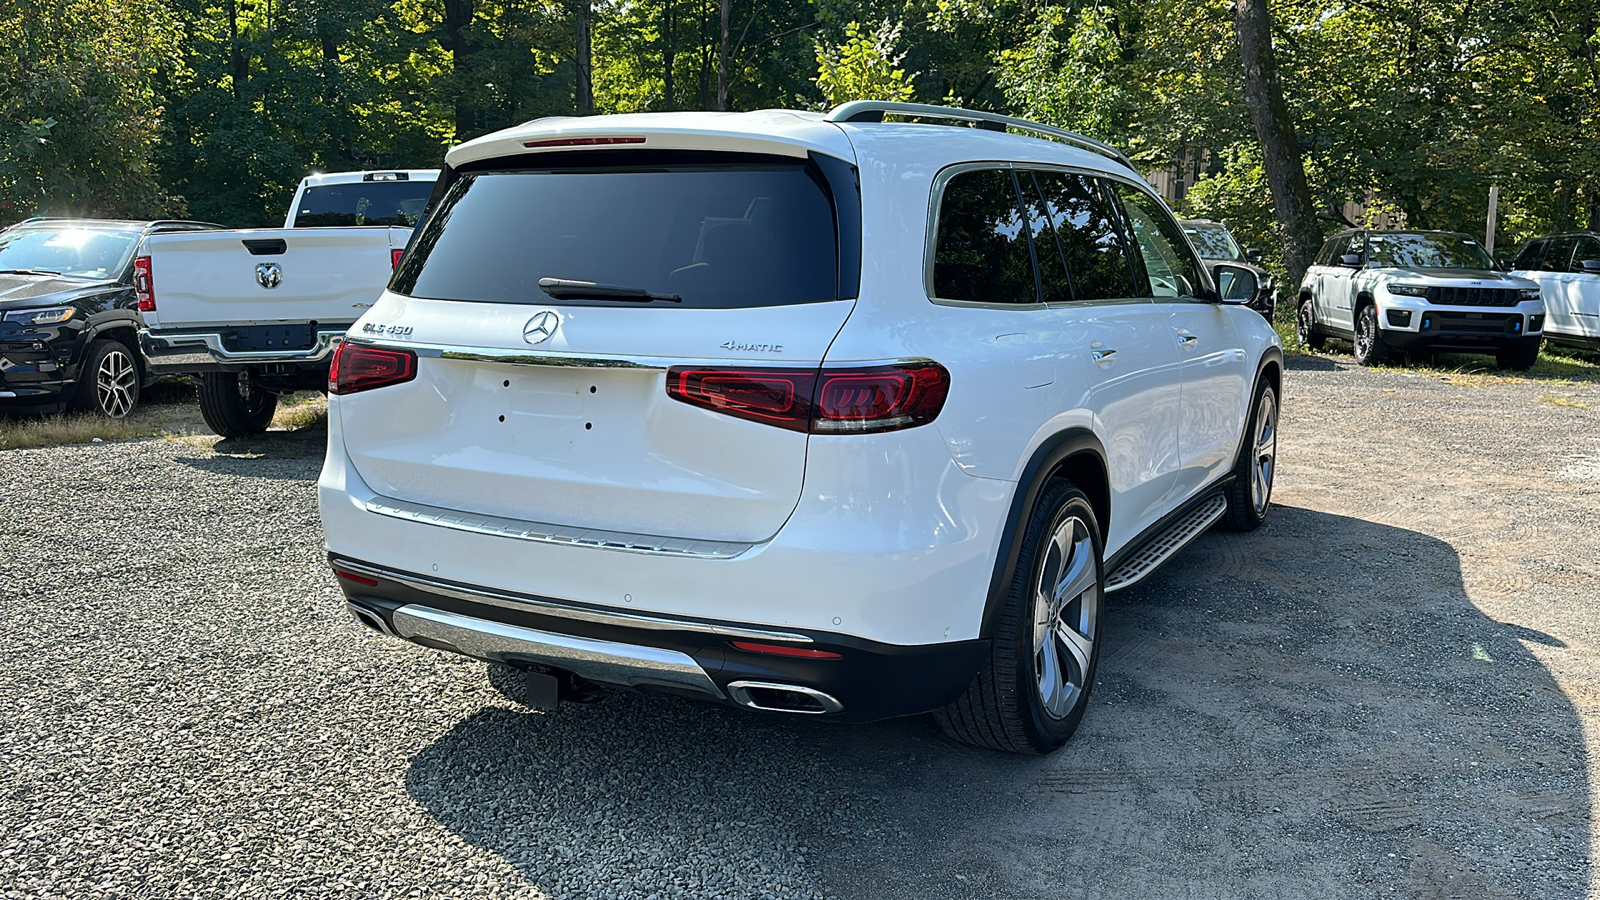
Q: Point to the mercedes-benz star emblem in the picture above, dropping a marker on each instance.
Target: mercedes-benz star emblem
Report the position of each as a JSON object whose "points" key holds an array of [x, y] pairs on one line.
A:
{"points": [[540, 327], [268, 275]]}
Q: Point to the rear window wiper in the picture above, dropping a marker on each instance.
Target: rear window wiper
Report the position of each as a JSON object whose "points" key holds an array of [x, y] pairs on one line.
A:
{"points": [[27, 272], [568, 289]]}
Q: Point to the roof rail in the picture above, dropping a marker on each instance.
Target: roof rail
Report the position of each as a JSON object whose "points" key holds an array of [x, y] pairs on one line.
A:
{"points": [[875, 110]]}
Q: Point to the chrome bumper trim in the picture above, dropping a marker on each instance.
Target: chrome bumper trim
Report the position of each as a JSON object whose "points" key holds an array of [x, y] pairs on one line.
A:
{"points": [[563, 611], [540, 532], [605, 661], [167, 351]]}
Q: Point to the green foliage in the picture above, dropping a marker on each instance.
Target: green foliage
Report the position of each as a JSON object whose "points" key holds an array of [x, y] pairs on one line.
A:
{"points": [[865, 67], [81, 111]]}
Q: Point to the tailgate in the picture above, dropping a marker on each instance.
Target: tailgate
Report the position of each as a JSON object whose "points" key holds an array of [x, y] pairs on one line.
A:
{"points": [[268, 276]]}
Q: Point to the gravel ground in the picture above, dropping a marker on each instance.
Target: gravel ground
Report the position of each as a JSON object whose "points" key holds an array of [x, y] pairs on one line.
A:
{"points": [[1391, 689]]}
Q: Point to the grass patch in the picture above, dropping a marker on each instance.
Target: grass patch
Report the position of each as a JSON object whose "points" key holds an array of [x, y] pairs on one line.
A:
{"points": [[297, 412], [167, 409], [1567, 402], [1290, 336], [72, 428]]}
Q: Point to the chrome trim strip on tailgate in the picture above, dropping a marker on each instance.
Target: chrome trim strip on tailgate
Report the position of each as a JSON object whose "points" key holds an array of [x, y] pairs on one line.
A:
{"points": [[605, 661], [556, 609], [525, 357], [544, 533]]}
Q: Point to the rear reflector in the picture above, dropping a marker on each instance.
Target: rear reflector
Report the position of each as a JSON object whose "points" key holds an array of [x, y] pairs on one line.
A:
{"points": [[357, 368], [582, 142], [144, 287], [358, 579], [783, 650], [829, 401], [394, 258]]}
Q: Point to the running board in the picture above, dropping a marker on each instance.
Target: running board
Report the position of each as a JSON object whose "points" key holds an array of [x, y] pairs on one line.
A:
{"points": [[1162, 547]]}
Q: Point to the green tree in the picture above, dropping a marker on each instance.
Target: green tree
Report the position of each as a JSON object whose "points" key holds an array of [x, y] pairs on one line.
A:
{"points": [[865, 67]]}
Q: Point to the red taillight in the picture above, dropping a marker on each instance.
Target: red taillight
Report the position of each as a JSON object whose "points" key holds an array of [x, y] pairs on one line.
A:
{"points": [[583, 142], [784, 650], [832, 401], [143, 287], [394, 258], [357, 368], [358, 579]]}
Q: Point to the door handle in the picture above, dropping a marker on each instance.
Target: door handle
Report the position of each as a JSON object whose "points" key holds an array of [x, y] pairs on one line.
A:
{"points": [[1103, 356], [1187, 340]]}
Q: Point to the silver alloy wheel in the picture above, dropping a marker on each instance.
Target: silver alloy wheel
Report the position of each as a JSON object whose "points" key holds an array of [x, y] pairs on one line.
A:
{"points": [[1066, 613], [1265, 461], [1364, 332], [115, 381]]}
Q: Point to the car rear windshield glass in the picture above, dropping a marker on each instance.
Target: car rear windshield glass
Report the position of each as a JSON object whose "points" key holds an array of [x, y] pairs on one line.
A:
{"points": [[718, 236], [76, 252], [1426, 251], [1213, 242], [363, 203]]}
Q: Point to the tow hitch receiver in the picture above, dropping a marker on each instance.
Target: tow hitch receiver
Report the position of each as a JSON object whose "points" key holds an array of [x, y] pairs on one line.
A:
{"points": [[541, 690]]}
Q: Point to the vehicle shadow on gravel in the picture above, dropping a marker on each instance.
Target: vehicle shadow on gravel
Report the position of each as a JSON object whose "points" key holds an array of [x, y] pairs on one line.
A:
{"points": [[300, 451], [1315, 709]]}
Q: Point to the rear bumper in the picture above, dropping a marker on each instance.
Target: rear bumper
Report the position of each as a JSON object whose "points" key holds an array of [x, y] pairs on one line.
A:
{"points": [[169, 352], [867, 681]]}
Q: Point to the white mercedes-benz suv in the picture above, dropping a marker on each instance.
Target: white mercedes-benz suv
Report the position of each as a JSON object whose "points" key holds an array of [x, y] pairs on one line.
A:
{"points": [[810, 413]]}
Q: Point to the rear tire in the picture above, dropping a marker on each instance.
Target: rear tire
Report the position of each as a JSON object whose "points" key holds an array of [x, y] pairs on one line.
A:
{"points": [[1371, 348], [108, 380], [1250, 495], [1519, 357], [1306, 327], [230, 413], [1031, 693]]}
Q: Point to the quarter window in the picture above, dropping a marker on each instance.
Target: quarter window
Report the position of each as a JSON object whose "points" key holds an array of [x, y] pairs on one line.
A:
{"points": [[983, 252], [1169, 264], [1588, 248], [1083, 221]]}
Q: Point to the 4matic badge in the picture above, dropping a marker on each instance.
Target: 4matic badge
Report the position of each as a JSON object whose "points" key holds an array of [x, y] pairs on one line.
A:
{"points": [[751, 348]]}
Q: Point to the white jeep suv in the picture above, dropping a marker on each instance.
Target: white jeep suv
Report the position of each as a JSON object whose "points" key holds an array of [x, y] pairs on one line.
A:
{"points": [[1417, 292], [810, 413]]}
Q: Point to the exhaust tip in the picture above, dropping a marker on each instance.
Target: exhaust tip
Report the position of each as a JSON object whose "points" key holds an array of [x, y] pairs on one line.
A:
{"points": [[369, 618], [787, 698]]}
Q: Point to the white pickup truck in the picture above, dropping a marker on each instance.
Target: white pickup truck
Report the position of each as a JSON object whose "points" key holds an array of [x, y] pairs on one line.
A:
{"points": [[255, 313]]}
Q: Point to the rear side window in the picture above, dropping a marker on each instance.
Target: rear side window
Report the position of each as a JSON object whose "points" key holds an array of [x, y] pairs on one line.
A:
{"points": [[720, 236], [982, 252], [397, 203], [1083, 220], [1588, 248], [1169, 264]]}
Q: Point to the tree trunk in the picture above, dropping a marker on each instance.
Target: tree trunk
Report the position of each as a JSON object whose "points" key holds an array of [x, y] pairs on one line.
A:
{"points": [[1280, 146], [585, 85], [669, 53], [241, 63], [457, 18], [722, 57]]}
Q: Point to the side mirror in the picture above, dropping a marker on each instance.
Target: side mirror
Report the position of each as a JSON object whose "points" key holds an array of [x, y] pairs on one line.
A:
{"points": [[1591, 267], [1350, 261], [1235, 284], [1253, 255]]}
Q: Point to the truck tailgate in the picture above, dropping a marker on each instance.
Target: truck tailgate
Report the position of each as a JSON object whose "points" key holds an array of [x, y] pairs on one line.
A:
{"points": [[268, 276]]}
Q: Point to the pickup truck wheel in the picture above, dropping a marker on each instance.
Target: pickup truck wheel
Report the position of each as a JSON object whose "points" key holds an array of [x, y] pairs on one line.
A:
{"points": [[1031, 693], [1306, 328], [232, 412], [1371, 348], [1250, 495], [1519, 357], [108, 381]]}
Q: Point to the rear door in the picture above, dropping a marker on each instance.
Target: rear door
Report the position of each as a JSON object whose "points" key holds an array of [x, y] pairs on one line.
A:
{"points": [[1580, 290], [1333, 281], [268, 276], [556, 408]]}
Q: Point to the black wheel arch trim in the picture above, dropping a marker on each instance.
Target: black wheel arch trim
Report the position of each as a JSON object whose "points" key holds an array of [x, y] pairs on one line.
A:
{"points": [[1272, 358], [1046, 461]]}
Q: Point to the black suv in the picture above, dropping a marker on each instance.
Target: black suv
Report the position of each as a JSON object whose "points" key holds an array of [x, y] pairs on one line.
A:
{"points": [[1215, 243], [69, 320]]}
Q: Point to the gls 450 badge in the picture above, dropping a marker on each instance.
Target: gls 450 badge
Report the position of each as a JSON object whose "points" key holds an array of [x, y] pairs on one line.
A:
{"points": [[390, 330]]}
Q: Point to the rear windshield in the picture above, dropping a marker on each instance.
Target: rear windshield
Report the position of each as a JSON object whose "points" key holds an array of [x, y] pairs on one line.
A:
{"points": [[363, 203], [1426, 251], [720, 236]]}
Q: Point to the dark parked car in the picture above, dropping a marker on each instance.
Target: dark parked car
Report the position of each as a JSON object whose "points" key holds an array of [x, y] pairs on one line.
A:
{"points": [[69, 319], [1216, 244]]}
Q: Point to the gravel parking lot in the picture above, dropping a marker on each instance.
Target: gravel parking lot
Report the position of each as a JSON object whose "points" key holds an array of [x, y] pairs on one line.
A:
{"points": [[1393, 688]]}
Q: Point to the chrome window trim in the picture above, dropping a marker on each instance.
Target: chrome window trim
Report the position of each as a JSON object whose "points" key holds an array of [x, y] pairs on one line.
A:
{"points": [[557, 609]]}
